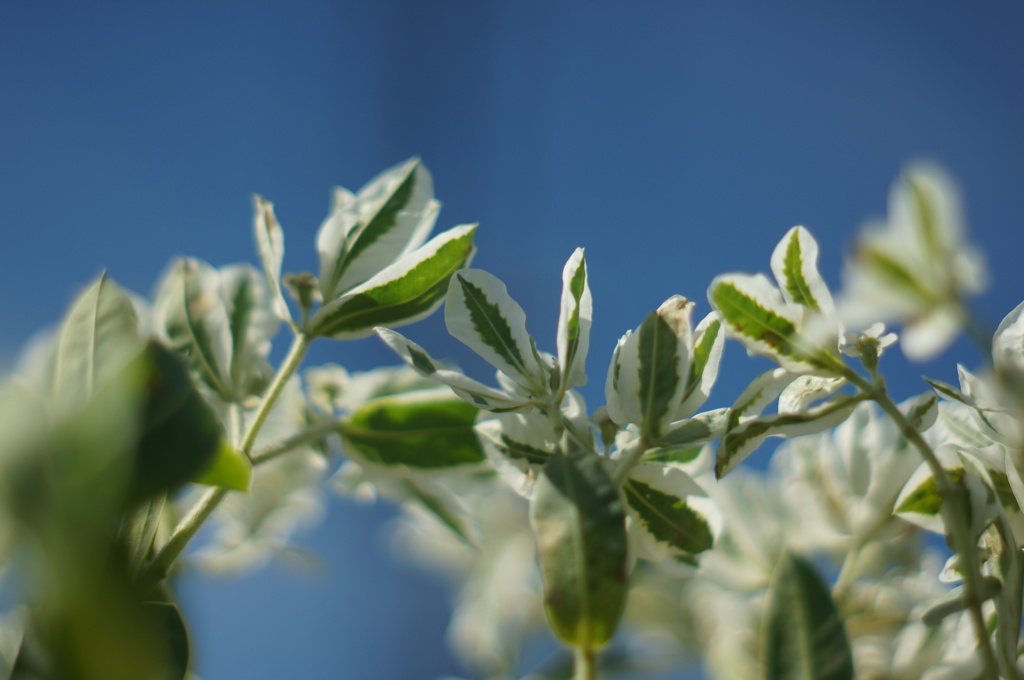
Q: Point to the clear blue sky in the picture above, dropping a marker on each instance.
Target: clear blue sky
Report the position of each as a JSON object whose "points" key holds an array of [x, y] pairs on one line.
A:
{"points": [[675, 141]]}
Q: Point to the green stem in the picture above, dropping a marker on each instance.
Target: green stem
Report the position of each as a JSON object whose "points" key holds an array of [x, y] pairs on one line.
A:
{"points": [[629, 460], [160, 566], [954, 513], [585, 664], [313, 433]]}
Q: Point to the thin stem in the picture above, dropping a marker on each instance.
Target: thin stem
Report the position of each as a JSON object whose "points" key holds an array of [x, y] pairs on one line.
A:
{"points": [[585, 663], [629, 460], [312, 433], [160, 566], [954, 517], [291, 362]]}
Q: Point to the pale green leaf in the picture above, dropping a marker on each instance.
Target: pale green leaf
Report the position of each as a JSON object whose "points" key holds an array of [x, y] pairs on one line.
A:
{"points": [[804, 637], [270, 244], [579, 522], [406, 291], [97, 338], [229, 469]]}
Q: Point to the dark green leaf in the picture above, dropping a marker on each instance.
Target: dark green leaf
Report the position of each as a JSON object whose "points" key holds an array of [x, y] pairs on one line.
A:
{"points": [[669, 519], [579, 522], [804, 637]]}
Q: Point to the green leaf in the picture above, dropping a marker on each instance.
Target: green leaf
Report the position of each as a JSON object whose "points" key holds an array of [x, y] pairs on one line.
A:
{"points": [[925, 499], [804, 637], [140, 530], [708, 341], [441, 510], [575, 313], [755, 314], [180, 434], [168, 620], [428, 429], [668, 520], [97, 339], [405, 291], [579, 522], [391, 215], [270, 244], [229, 469], [518, 445], [663, 370], [480, 313]]}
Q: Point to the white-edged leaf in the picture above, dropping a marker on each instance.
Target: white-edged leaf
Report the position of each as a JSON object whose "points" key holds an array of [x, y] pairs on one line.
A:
{"points": [[270, 244], [251, 321], [695, 430], [97, 338], [580, 527], [804, 637], [761, 391], [193, 319], [574, 318], [481, 314], [795, 265], [650, 368], [806, 390], [1008, 344], [708, 342], [518, 445], [755, 313], [404, 292], [672, 516], [741, 441], [476, 393], [391, 215]]}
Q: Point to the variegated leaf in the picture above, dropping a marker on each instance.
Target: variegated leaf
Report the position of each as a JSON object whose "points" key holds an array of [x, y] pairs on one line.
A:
{"points": [[472, 391], [695, 430], [480, 313], [193, 319], [1008, 344], [270, 244], [708, 342], [405, 291], [755, 314], [795, 265], [390, 216], [741, 441], [671, 514], [252, 325], [518, 445], [806, 390], [575, 313]]}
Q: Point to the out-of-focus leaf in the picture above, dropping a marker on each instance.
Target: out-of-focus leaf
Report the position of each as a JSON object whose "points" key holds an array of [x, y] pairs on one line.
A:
{"points": [[428, 429], [441, 508], [168, 620], [252, 325], [229, 469], [480, 313], [804, 637], [517, 446], [575, 313], [403, 292], [98, 337], [180, 434], [270, 244], [579, 522], [390, 216]]}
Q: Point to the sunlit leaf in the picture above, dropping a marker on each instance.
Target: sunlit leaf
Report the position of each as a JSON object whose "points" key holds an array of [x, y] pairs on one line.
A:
{"points": [[795, 265], [405, 291], [270, 244], [669, 510], [575, 313], [480, 312]]}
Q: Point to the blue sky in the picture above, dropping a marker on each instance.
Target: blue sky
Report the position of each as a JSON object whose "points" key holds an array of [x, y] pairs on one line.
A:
{"points": [[675, 141]]}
